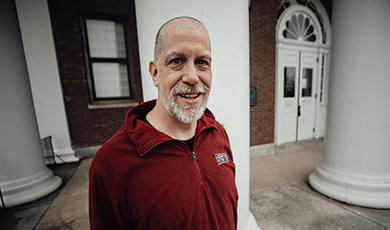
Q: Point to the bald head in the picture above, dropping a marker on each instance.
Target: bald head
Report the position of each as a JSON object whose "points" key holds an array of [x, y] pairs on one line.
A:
{"points": [[178, 23]]}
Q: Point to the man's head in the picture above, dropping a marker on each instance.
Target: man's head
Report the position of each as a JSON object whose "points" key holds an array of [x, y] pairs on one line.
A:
{"points": [[182, 68]]}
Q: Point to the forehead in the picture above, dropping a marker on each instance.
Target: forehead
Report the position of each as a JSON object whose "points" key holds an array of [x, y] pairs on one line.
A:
{"points": [[178, 34]]}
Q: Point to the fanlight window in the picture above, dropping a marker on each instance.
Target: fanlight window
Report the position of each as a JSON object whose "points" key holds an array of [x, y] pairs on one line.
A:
{"points": [[299, 27], [312, 6]]}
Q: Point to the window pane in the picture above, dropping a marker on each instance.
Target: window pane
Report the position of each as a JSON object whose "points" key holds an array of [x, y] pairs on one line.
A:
{"points": [[106, 38], [111, 80], [307, 82], [289, 81]]}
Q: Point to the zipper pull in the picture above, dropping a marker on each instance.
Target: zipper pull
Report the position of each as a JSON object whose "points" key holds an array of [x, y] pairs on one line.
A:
{"points": [[194, 156]]}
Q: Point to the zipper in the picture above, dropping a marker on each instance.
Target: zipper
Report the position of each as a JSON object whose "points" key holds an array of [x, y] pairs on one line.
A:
{"points": [[194, 156], [195, 162], [198, 170]]}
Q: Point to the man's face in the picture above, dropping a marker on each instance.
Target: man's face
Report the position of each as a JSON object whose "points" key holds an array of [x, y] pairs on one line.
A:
{"points": [[183, 75]]}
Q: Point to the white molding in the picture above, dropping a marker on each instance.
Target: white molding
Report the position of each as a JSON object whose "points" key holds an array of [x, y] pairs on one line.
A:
{"points": [[368, 192], [287, 15], [321, 10], [287, 44], [29, 188], [65, 156]]}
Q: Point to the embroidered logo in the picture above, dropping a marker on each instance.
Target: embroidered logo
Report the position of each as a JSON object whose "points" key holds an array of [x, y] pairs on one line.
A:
{"points": [[221, 158]]}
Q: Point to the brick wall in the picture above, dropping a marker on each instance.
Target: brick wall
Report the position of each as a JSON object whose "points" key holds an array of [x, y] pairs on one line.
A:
{"points": [[262, 25], [88, 127]]}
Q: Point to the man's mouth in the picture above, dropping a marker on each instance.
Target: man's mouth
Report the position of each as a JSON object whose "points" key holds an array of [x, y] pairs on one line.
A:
{"points": [[189, 95]]}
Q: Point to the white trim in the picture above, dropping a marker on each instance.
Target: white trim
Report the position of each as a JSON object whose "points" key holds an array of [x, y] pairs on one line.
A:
{"points": [[322, 12], [317, 47], [286, 15], [325, 17], [65, 156]]}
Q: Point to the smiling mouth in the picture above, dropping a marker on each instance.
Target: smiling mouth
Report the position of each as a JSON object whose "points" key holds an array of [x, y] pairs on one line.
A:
{"points": [[189, 95]]}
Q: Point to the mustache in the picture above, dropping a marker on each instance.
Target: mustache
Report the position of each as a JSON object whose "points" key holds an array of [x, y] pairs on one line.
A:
{"points": [[181, 88]]}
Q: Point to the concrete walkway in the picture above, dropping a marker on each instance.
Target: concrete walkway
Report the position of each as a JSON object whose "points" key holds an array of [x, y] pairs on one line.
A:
{"points": [[280, 197]]}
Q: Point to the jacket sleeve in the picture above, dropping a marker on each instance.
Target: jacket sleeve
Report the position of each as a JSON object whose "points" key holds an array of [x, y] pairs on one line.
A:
{"points": [[104, 212]]}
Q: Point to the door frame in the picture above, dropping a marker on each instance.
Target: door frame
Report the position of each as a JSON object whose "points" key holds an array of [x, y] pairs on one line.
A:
{"points": [[322, 50]]}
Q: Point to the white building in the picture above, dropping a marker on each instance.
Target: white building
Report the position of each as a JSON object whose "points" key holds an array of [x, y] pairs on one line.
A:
{"points": [[326, 78]]}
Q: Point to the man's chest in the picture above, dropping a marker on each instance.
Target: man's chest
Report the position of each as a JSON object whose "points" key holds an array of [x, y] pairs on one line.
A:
{"points": [[172, 184]]}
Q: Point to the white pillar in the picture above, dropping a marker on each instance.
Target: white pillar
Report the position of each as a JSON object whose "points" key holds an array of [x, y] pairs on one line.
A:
{"points": [[42, 67], [228, 26], [23, 175], [356, 164]]}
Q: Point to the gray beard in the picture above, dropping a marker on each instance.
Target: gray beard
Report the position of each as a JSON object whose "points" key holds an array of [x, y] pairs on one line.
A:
{"points": [[188, 113]]}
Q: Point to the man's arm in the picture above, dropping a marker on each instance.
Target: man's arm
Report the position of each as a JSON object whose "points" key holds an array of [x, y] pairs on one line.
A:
{"points": [[103, 206]]}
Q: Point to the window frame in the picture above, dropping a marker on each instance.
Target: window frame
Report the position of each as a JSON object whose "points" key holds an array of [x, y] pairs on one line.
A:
{"points": [[94, 101]]}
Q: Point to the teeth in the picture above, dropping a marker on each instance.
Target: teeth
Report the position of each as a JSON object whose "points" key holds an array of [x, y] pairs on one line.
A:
{"points": [[192, 95]]}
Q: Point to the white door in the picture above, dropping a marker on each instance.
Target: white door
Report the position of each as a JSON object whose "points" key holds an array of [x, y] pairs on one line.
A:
{"points": [[307, 96], [296, 95], [287, 107]]}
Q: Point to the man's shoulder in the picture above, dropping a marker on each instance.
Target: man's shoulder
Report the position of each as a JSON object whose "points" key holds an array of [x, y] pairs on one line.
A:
{"points": [[115, 150], [210, 120]]}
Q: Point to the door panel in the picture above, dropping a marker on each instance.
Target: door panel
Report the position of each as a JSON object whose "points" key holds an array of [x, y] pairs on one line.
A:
{"points": [[296, 95], [306, 98], [288, 95]]}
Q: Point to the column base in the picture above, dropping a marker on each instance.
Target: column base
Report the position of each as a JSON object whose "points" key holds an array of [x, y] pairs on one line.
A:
{"points": [[65, 156], [29, 188], [368, 192]]}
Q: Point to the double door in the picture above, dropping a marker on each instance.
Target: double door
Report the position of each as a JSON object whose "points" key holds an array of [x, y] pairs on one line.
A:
{"points": [[296, 101]]}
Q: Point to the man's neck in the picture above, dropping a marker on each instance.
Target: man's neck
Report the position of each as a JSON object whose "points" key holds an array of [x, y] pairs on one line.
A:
{"points": [[163, 121]]}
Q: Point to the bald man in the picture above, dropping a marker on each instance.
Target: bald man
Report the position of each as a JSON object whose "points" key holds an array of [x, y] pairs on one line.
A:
{"points": [[170, 166]]}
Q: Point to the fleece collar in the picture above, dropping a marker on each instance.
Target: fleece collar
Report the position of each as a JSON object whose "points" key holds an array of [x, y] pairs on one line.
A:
{"points": [[145, 138]]}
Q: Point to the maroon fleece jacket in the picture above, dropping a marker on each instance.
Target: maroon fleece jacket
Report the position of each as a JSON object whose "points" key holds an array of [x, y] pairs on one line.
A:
{"points": [[143, 179]]}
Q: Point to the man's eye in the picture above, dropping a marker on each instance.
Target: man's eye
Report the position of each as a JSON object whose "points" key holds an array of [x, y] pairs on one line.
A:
{"points": [[176, 61], [202, 62]]}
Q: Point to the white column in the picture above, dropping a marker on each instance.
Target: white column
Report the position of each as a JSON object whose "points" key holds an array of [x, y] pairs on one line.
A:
{"points": [[228, 26], [356, 164], [42, 67], [23, 175]]}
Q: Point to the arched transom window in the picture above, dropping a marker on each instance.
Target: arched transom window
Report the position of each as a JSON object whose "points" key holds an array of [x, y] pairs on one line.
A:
{"points": [[297, 33], [299, 27]]}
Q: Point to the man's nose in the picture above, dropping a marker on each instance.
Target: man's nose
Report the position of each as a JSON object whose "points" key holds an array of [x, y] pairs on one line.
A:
{"points": [[190, 74]]}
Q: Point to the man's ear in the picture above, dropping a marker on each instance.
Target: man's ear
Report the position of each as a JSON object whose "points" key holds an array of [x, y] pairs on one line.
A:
{"points": [[153, 72]]}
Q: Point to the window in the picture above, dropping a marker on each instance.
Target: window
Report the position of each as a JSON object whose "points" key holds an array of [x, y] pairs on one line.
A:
{"points": [[307, 78], [289, 82], [299, 27], [108, 64], [312, 6]]}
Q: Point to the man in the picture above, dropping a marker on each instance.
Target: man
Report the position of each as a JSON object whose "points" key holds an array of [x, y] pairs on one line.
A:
{"points": [[170, 166]]}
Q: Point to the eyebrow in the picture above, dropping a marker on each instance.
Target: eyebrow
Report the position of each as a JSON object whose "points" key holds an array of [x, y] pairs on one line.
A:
{"points": [[173, 54], [208, 57], [181, 55]]}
